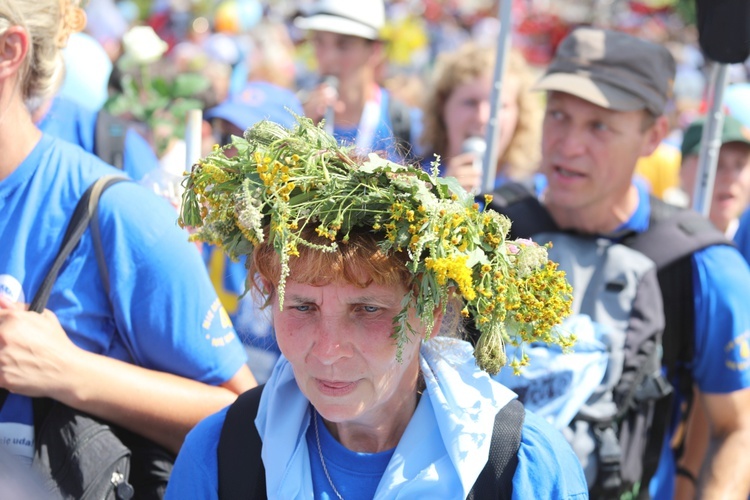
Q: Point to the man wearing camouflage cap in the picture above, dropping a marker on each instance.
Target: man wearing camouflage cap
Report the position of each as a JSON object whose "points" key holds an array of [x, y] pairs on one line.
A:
{"points": [[606, 94]]}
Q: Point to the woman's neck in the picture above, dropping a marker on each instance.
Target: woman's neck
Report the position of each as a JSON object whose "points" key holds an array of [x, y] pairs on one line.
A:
{"points": [[18, 135]]}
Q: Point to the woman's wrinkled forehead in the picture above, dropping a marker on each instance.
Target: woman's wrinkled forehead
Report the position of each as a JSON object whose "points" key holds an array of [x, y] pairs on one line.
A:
{"points": [[359, 262], [358, 267]]}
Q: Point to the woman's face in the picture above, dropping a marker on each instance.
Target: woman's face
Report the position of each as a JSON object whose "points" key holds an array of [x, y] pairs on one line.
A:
{"points": [[467, 112], [337, 338]]}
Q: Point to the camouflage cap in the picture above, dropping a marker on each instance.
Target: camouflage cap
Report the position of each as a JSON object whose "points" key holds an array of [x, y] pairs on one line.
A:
{"points": [[611, 69]]}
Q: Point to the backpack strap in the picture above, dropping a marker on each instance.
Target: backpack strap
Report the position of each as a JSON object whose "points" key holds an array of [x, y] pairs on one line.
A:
{"points": [[496, 479], [241, 469], [674, 235], [400, 117], [109, 139], [518, 201], [79, 221]]}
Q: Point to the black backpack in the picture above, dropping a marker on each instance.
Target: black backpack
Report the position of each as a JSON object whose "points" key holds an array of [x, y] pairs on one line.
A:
{"points": [[242, 475], [629, 445]]}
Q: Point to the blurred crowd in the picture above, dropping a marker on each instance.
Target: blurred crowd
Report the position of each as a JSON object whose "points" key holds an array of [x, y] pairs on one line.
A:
{"points": [[413, 81], [239, 61]]}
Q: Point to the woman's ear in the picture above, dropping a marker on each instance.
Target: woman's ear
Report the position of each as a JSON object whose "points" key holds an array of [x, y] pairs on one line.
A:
{"points": [[14, 46]]}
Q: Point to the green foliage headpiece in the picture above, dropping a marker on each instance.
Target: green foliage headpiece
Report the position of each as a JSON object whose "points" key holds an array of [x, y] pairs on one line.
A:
{"points": [[282, 180]]}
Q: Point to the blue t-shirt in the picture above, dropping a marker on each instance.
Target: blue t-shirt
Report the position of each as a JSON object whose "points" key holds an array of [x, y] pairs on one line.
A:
{"points": [[742, 236], [383, 139], [547, 467], [74, 123], [355, 475], [253, 325], [161, 311]]}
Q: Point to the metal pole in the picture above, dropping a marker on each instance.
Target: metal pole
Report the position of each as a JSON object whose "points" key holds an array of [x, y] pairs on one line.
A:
{"points": [[710, 141], [489, 164], [193, 137]]}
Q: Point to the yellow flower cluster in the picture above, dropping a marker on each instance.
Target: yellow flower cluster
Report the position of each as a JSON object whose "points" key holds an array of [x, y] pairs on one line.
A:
{"points": [[455, 269], [283, 180]]}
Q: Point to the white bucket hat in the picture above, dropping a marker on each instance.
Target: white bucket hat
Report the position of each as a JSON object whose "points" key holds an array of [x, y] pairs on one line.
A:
{"points": [[361, 18]]}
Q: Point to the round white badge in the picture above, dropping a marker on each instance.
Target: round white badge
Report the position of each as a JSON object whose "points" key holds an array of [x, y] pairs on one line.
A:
{"points": [[10, 288]]}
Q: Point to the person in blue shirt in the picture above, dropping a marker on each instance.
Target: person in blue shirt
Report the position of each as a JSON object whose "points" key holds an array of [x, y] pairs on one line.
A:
{"points": [[606, 94], [348, 50], [76, 124], [742, 236], [375, 395], [154, 352], [73, 113]]}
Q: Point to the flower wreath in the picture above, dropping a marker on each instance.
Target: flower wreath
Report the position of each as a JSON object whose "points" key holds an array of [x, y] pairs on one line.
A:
{"points": [[286, 179]]}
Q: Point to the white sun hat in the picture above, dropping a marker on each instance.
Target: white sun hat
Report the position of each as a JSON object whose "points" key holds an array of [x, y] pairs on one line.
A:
{"points": [[361, 18]]}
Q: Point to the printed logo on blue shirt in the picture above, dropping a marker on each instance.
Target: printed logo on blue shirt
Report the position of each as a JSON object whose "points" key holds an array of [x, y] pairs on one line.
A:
{"points": [[738, 351], [226, 334], [10, 288]]}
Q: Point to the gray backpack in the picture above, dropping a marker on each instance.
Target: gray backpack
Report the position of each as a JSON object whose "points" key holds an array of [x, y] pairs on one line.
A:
{"points": [[642, 287], [617, 287]]}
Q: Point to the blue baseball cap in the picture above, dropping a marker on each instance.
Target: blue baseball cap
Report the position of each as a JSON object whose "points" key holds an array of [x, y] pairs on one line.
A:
{"points": [[258, 101]]}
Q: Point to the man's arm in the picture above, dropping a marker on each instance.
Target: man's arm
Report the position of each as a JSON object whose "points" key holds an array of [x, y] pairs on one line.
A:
{"points": [[721, 369], [725, 473]]}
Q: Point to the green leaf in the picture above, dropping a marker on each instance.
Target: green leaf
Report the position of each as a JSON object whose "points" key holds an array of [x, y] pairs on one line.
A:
{"points": [[180, 107], [375, 162], [476, 256], [118, 105], [189, 84], [161, 86], [455, 188]]}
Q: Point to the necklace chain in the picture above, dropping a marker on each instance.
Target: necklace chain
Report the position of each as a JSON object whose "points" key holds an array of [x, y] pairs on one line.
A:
{"points": [[320, 453]]}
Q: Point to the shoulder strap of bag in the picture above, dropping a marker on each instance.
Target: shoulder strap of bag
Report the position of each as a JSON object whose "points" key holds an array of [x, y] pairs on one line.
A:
{"points": [[79, 221], [519, 203], [109, 139], [674, 235], [496, 479], [241, 468]]}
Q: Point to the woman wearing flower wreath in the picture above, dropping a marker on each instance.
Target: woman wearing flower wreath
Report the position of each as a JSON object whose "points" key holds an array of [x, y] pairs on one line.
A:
{"points": [[365, 265]]}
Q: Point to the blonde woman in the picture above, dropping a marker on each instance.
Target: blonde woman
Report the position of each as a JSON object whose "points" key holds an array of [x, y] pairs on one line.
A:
{"points": [[154, 353], [457, 108]]}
